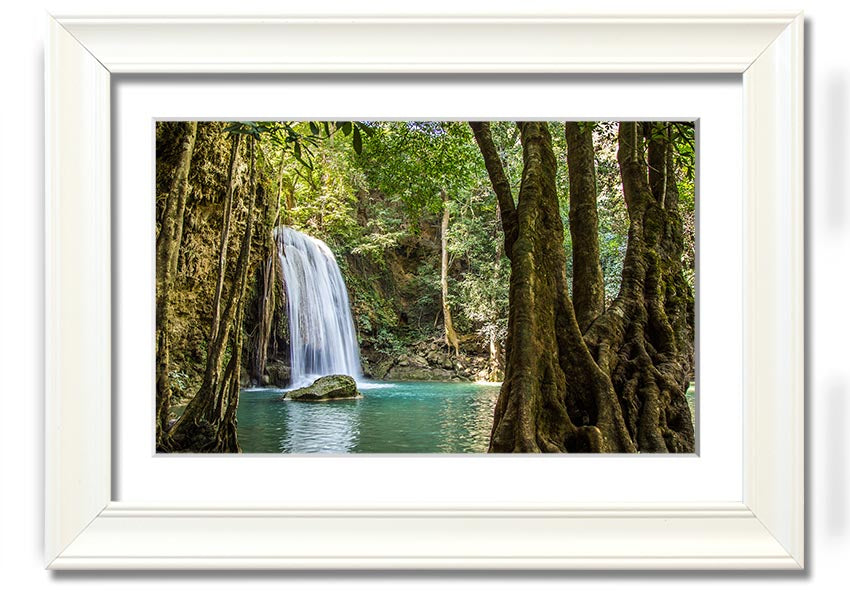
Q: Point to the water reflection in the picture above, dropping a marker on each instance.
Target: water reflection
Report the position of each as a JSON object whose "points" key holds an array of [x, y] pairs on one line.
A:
{"points": [[403, 417], [307, 428]]}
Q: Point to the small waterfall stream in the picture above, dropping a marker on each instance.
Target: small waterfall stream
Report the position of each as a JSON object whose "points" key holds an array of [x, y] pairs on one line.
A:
{"points": [[321, 329]]}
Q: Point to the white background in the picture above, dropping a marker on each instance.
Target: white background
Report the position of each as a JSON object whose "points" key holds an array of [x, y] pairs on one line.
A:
{"points": [[21, 350]]}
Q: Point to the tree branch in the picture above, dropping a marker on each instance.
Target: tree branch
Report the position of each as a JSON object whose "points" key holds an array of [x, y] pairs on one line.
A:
{"points": [[501, 185]]}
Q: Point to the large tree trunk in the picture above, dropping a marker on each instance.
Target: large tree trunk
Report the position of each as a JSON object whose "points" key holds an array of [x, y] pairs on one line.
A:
{"points": [[617, 388], [588, 288], [677, 294], [451, 338], [536, 409], [634, 341], [167, 251]]}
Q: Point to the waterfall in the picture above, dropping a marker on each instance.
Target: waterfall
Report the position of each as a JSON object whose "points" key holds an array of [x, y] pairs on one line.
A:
{"points": [[321, 330]]}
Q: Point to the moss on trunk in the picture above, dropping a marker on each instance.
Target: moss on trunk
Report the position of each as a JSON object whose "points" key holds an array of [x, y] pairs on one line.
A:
{"points": [[618, 387], [588, 287]]}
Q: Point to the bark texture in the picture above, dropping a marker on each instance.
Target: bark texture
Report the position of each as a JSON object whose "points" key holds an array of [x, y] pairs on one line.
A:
{"points": [[268, 300], [208, 423], [451, 338], [588, 287], [225, 234], [501, 185], [167, 251], [619, 387], [265, 316], [678, 296], [550, 377], [634, 340]]}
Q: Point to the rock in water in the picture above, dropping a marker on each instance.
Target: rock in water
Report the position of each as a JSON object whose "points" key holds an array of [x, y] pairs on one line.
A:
{"points": [[330, 387]]}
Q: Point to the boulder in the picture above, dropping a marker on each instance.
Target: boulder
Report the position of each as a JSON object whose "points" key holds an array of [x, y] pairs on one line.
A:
{"points": [[382, 368], [419, 361], [279, 374], [330, 387], [367, 368], [399, 373]]}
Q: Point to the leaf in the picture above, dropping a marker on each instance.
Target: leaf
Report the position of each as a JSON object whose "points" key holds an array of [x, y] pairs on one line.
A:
{"points": [[358, 143], [346, 127], [366, 128], [314, 129]]}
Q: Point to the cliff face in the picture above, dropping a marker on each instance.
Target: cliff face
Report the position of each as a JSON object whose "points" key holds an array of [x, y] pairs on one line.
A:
{"points": [[398, 313], [198, 258]]}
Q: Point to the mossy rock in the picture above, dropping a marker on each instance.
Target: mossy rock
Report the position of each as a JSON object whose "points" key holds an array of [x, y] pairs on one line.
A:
{"points": [[330, 387], [278, 373]]}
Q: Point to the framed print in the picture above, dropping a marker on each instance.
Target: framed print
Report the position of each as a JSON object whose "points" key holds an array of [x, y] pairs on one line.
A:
{"points": [[143, 469]]}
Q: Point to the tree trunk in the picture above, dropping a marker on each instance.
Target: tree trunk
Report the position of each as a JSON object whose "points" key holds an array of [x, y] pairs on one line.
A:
{"points": [[544, 348], [227, 440], [501, 185], [167, 251], [496, 372], [209, 422], [588, 288], [266, 315], [266, 300], [225, 233], [634, 341], [451, 338], [678, 296], [617, 388]]}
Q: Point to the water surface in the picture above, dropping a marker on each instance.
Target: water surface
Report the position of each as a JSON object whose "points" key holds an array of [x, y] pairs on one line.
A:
{"points": [[401, 417], [392, 417]]}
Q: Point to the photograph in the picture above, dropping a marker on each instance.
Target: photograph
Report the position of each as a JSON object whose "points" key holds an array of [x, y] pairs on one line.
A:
{"points": [[429, 287]]}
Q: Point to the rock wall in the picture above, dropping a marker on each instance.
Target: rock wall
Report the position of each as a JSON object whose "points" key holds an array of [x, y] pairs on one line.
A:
{"points": [[429, 360]]}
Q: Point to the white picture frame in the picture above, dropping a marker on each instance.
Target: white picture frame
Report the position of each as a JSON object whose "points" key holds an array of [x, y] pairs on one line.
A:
{"points": [[86, 529]]}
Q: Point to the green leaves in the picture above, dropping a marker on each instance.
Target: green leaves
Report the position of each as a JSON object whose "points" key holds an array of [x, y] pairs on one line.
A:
{"points": [[684, 146], [413, 161], [249, 128], [356, 130], [301, 139]]}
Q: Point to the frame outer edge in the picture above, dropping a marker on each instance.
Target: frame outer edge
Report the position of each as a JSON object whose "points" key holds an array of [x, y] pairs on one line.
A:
{"points": [[77, 288], [774, 447], [718, 43]]}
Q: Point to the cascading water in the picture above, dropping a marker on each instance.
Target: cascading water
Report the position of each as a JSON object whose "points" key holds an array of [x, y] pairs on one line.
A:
{"points": [[321, 330]]}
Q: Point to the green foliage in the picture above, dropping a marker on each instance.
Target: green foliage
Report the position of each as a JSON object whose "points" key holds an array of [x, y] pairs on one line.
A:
{"points": [[415, 161], [684, 148], [611, 208], [375, 192], [385, 231]]}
